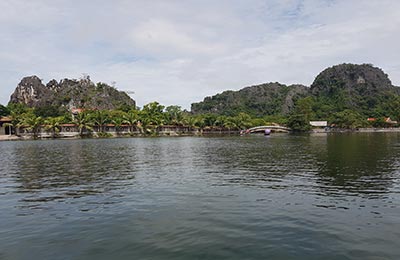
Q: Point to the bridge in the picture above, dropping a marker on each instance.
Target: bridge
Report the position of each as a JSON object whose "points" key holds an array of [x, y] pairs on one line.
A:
{"points": [[273, 128]]}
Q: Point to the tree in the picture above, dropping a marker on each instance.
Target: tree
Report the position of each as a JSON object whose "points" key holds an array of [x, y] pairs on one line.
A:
{"points": [[131, 118], [150, 117], [118, 121], [209, 119], [146, 124], [348, 119], [304, 106], [117, 118], [221, 121], [4, 111], [190, 121], [83, 122], [238, 122], [174, 115], [18, 108], [31, 123], [299, 123], [49, 111], [299, 120], [100, 118], [200, 121], [53, 124]]}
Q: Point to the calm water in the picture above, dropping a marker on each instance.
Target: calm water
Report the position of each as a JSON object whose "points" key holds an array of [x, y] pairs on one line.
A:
{"points": [[280, 197]]}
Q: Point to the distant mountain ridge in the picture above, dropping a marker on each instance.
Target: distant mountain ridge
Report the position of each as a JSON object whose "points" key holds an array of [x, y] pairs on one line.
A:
{"points": [[69, 93], [264, 99], [359, 87]]}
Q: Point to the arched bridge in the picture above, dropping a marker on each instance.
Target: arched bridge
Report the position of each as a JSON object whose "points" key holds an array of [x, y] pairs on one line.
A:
{"points": [[274, 128]]}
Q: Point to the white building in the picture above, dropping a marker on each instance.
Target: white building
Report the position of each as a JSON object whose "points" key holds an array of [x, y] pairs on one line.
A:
{"points": [[319, 123]]}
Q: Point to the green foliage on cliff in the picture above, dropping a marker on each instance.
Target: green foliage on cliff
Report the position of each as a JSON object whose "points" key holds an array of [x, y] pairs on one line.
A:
{"points": [[363, 89], [4, 111], [56, 97], [259, 101]]}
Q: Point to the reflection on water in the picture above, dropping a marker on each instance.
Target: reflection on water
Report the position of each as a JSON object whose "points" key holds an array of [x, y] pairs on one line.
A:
{"points": [[363, 165], [281, 197], [49, 171]]}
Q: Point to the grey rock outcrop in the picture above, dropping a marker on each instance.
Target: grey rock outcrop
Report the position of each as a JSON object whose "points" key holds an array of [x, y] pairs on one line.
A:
{"points": [[32, 92], [69, 93], [360, 87], [353, 77], [264, 99]]}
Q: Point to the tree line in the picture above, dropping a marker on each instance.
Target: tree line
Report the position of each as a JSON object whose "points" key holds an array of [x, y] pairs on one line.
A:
{"points": [[145, 120], [153, 115]]}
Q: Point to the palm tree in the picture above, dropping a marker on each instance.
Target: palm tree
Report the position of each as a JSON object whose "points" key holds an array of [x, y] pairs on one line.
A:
{"points": [[131, 119], [83, 122], [18, 116], [174, 115], [53, 124], [118, 121], [151, 117], [32, 123], [100, 118], [241, 121], [190, 121], [145, 124], [200, 122]]}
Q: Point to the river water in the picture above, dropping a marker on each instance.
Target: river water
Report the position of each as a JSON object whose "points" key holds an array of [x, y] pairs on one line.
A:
{"points": [[284, 196]]}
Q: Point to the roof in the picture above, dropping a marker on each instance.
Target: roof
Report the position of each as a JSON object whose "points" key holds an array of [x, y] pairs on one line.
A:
{"points": [[5, 119], [77, 110], [319, 123]]}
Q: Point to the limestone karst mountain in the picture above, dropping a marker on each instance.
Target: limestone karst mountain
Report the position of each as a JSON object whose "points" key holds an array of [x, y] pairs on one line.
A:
{"points": [[69, 93]]}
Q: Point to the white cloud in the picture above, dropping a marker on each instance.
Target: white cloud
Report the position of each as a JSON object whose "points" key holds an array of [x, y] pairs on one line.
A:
{"points": [[158, 37], [178, 52]]}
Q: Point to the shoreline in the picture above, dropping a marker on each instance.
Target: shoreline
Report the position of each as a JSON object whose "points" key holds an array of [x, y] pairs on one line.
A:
{"points": [[204, 134]]}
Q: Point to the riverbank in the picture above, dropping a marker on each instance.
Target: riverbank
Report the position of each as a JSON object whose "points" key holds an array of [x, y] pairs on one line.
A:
{"points": [[358, 130], [96, 135], [102, 135], [9, 138]]}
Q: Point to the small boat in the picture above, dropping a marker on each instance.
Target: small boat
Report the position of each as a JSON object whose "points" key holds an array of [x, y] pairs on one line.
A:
{"points": [[267, 131]]}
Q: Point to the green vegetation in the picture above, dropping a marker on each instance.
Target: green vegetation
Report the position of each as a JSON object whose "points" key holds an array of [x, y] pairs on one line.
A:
{"points": [[258, 101], [146, 121], [4, 111], [344, 95]]}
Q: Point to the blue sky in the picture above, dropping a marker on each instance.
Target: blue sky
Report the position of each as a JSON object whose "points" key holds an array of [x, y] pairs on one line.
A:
{"points": [[178, 52]]}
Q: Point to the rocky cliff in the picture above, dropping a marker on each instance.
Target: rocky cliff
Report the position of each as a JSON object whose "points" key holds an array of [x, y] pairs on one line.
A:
{"points": [[258, 100], [363, 88], [69, 93]]}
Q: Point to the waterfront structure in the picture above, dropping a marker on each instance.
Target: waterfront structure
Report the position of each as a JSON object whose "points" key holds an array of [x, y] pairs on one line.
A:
{"points": [[319, 124], [5, 126]]}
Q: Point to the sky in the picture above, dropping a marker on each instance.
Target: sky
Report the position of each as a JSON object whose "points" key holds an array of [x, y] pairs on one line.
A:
{"points": [[178, 52]]}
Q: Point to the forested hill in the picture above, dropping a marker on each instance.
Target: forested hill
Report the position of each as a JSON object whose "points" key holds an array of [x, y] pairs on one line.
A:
{"points": [[363, 88], [259, 100]]}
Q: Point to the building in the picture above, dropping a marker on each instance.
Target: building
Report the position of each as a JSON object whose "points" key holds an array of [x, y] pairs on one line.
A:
{"points": [[319, 124], [390, 121], [5, 127]]}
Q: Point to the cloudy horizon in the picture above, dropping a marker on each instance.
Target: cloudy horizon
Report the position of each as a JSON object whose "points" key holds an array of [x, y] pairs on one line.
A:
{"points": [[178, 52]]}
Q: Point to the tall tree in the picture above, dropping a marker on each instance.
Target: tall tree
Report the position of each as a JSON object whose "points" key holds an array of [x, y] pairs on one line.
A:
{"points": [[53, 124], [4, 111], [83, 122], [174, 115], [32, 123], [131, 118], [100, 118]]}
